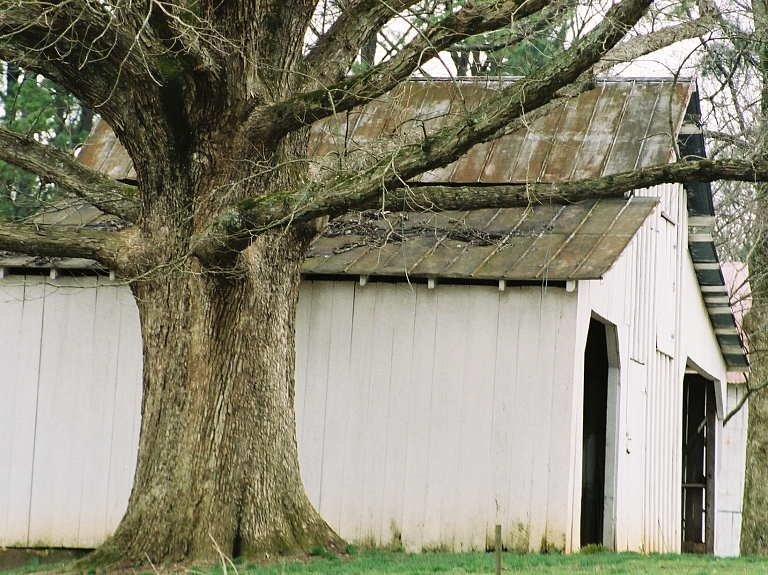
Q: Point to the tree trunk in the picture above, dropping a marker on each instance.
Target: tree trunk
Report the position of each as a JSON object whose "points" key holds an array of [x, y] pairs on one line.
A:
{"points": [[754, 531], [218, 460]]}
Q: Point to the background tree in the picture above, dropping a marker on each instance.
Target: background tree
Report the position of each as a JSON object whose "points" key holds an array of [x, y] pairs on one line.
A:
{"points": [[212, 101], [735, 67], [35, 106]]}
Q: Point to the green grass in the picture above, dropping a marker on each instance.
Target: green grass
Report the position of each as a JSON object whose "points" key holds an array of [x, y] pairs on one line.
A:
{"points": [[384, 563], [389, 562]]}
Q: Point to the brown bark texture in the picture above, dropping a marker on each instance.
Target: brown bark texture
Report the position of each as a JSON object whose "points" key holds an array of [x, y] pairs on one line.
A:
{"points": [[217, 458]]}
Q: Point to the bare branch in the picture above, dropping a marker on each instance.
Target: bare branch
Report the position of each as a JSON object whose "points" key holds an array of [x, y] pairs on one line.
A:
{"points": [[107, 248], [61, 168], [648, 43], [335, 50], [750, 390], [234, 230], [475, 18], [170, 22]]}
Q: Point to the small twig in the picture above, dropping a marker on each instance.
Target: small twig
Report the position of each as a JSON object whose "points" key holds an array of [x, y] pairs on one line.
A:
{"points": [[152, 564], [224, 558], [743, 400]]}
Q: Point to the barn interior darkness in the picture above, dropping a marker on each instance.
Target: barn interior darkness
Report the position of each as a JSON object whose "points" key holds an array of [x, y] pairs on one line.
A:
{"points": [[594, 436], [699, 415]]}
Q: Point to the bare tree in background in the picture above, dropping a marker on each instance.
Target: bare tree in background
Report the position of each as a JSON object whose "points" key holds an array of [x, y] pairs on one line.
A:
{"points": [[212, 101], [734, 68]]}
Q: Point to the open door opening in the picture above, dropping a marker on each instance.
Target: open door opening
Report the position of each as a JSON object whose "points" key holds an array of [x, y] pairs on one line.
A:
{"points": [[699, 416], [593, 468]]}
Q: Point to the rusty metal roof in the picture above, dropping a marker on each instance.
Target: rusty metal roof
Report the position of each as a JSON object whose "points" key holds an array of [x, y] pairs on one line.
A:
{"points": [[544, 242], [104, 153], [620, 125]]}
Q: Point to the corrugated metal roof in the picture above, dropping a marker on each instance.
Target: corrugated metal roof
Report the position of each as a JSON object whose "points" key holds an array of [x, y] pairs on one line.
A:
{"points": [[617, 126], [554, 242], [621, 124], [104, 153]]}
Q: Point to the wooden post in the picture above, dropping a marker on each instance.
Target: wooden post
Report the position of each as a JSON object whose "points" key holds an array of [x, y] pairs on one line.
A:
{"points": [[498, 549]]}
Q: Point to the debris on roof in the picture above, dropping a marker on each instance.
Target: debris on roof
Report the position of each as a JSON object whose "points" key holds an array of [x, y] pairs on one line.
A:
{"points": [[554, 242]]}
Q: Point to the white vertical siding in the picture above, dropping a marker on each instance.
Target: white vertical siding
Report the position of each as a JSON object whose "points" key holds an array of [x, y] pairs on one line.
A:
{"points": [[71, 362], [729, 470], [21, 321], [652, 296], [457, 409]]}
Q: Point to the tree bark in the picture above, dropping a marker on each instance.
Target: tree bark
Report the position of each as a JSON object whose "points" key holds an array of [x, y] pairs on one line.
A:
{"points": [[754, 538], [218, 458]]}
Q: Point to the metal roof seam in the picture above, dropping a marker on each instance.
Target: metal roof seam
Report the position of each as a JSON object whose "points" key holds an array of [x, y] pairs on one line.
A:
{"points": [[524, 215], [586, 131], [534, 242], [602, 237], [573, 234], [644, 139], [439, 241], [615, 134]]}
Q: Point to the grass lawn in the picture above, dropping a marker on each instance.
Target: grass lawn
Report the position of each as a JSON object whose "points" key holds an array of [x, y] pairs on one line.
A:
{"points": [[388, 562], [381, 562]]}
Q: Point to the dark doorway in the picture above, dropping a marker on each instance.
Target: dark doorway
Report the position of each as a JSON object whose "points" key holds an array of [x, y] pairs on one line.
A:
{"points": [[699, 416], [594, 437]]}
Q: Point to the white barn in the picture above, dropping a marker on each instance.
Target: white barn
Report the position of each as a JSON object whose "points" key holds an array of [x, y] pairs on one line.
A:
{"points": [[559, 370]]}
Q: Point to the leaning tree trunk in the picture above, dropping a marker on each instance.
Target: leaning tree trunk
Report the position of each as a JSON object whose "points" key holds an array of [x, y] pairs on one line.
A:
{"points": [[754, 531], [218, 459]]}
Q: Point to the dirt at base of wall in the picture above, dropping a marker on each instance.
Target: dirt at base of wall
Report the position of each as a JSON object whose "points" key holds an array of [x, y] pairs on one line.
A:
{"points": [[10, 558]]}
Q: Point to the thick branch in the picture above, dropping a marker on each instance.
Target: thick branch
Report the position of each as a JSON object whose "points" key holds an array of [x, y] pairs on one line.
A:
{"points": [[520, 31], [81, 46], [59, 167], [335, 50], [487, 122], [648, 43], [253, 216], [475, 18], [107, 248]]}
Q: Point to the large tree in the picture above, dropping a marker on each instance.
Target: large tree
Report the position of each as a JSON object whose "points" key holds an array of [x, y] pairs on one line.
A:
{"points": [[212, 101]]}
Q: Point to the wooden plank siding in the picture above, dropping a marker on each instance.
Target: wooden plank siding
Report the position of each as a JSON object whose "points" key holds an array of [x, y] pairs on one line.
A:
{"points": [[71, 366], [646, 298], [729, 478], [457, 409]]}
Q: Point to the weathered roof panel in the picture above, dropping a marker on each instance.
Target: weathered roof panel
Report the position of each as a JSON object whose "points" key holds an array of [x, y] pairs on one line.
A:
{"points": [[554, 241], [619, 125]]}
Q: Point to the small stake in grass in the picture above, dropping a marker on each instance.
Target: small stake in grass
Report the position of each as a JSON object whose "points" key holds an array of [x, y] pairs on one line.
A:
{"points": [[498, 550]]}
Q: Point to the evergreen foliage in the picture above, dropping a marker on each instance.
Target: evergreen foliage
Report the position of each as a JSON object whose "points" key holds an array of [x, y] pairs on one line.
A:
{"points": [[35, 106]]}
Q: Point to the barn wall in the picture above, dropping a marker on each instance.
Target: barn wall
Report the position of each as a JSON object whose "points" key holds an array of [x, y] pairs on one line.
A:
{"points": [[641, 296], [427, 416], [70, 382], [729, 469], [420, 421], [651, 287]]}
